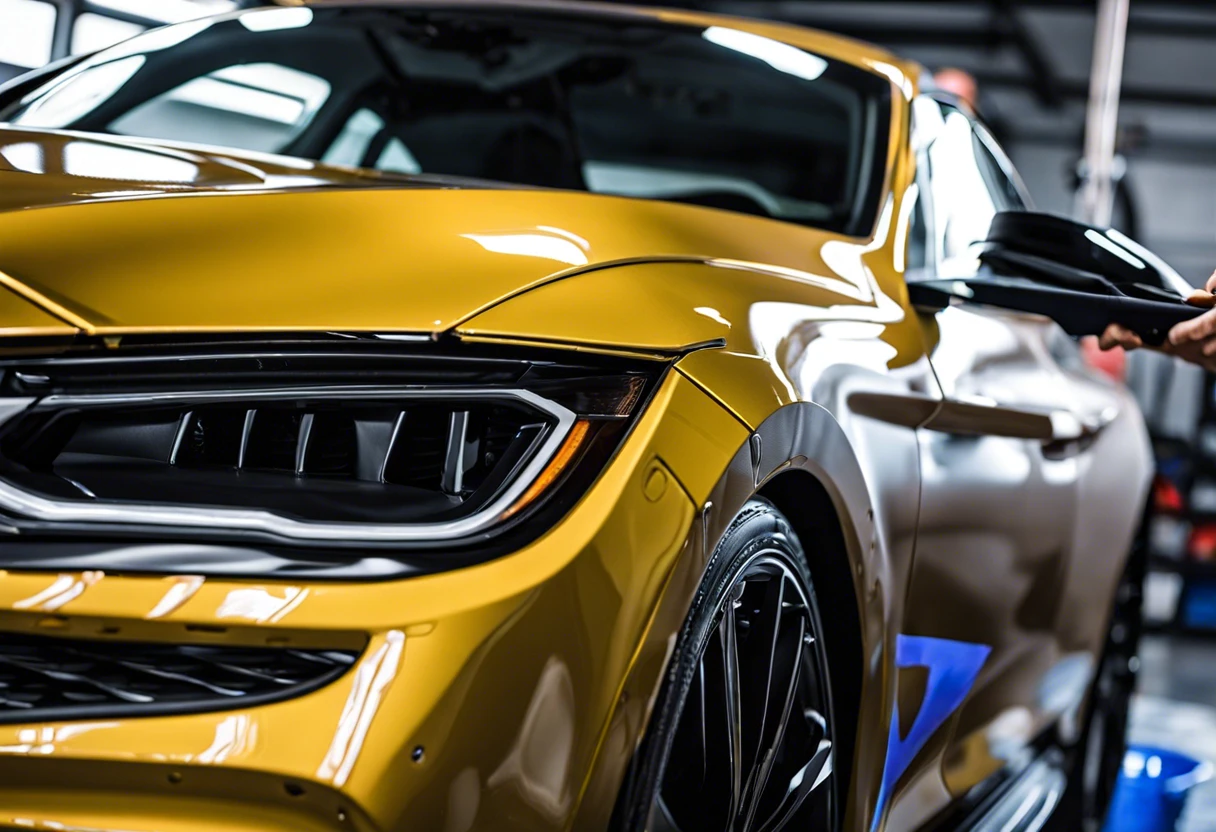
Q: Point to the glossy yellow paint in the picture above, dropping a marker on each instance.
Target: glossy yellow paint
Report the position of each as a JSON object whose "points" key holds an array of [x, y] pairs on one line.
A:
{"points": [[42, 168], [380, 260], [19, 317], [575, 628]]}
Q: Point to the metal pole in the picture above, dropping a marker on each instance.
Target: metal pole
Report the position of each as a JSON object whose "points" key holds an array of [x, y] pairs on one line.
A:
{"points": [[1096, 198]]}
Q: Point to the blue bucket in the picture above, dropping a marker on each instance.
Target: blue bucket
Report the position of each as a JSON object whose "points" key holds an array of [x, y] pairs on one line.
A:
{"points": [[1153, 788]]}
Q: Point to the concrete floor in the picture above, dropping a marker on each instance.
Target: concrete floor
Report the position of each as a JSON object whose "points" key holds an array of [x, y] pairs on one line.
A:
{"points": [[1176, 709]]}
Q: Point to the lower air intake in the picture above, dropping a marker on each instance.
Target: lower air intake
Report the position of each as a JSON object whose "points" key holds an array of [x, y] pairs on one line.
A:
{"points": [[58, 678]]}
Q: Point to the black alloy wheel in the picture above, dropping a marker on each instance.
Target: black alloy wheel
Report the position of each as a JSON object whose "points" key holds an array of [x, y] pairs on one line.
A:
{"points": [[743, 733]]}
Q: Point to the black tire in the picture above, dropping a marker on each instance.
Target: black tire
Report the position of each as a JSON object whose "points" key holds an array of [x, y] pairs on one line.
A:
{"points": [[1098, 755], [771, 768]]}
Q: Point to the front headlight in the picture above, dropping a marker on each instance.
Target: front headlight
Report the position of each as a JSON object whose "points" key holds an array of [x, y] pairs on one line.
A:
{"points": [[306, 448]]}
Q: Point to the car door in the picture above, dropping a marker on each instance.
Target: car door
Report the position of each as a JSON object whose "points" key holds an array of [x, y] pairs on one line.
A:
{"points": [[1016, 559]]}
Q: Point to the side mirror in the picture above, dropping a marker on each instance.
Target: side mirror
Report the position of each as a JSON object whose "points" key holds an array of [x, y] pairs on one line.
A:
{"points": [[1084, 278]]}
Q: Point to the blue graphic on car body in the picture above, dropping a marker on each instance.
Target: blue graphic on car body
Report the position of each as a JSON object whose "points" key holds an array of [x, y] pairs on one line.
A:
{"points": [[953, 669]]}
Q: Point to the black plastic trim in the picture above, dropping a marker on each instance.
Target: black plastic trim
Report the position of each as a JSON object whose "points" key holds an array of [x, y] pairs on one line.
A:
{"points": [[202, 705]]}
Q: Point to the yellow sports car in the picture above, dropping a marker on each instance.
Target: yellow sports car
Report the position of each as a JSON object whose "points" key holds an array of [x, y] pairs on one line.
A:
{"points": [[540, 416]]}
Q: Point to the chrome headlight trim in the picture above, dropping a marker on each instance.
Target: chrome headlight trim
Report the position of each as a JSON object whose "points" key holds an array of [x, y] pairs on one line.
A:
{"points": [[36, 507]]}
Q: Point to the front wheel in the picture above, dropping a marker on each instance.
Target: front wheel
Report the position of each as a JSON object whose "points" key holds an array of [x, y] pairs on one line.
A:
{"points": [[742, 735]]}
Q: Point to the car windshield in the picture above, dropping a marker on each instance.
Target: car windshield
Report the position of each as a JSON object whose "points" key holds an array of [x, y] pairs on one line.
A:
{"points": [[608, 103]]}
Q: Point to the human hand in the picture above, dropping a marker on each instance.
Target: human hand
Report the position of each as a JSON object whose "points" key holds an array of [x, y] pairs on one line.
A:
{"points": [[1193, 340]]}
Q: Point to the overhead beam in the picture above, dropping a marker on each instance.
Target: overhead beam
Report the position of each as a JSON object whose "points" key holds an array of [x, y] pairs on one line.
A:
{"points": [[1175, 149], [1045, 81], [1140, 25], [1041, 4], [894, 35], [1079, 90]]}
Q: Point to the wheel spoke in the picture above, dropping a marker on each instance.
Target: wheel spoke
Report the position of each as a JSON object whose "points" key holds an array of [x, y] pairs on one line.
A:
{"points": [[701, 716], [759, 668], [782, 698], [808, 778], [661, 819], [734, 716]]}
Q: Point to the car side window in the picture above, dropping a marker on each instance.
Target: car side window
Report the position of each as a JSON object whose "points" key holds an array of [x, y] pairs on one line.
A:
{"points": [[1003, 183], [963, 205], [917, 257], [969, 183]]}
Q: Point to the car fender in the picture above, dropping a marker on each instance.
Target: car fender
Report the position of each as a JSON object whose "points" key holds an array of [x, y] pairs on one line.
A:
{"points": [[784, 367]]}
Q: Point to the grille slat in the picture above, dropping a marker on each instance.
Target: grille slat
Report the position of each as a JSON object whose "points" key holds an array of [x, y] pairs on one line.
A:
{"points": [[46, 678]]}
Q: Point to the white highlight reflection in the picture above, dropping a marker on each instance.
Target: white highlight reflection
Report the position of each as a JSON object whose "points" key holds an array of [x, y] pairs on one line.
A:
{"points": [[103, 161], [167, 11], [269, 20], [24, 156], [153, 40], [78, 94], [545, 246], [712, 314], [780, 56], [64, 589], [181, 591], [233, 735], [260, 605], [42, 740], [1120, 252], [372, 678]]}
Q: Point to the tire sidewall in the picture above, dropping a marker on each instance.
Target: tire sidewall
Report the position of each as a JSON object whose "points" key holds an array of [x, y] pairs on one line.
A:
{"points": [[758, 529]]}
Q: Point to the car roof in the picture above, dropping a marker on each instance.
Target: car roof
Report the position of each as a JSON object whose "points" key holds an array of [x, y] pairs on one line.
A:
{"points": [[829, 45]]}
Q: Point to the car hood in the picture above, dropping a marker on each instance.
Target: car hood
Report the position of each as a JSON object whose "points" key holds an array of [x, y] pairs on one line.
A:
{"points": [[254, 245]]}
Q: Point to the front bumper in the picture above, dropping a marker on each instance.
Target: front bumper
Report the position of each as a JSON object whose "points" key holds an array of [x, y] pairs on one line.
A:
{"points": [[482, 698]]}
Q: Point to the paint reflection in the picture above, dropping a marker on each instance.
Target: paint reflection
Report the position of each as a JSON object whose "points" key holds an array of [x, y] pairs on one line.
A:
{"points": [[102, 161], [42, 740], [180, 591], [233, 736], [841, 285], [780, 56], [712, 314], [261, 605], [371, 681], [26, 157], [464, 799], [79, 93], [96, 160], [538, 763], [545, 243], [269, 20], [65, 588]]}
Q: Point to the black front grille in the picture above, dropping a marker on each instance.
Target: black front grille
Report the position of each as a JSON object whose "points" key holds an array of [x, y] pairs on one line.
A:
{"points": [[61, 678]]}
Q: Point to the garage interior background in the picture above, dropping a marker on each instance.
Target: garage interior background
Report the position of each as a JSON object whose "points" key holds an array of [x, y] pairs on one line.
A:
{"points": [[1032, 61]]}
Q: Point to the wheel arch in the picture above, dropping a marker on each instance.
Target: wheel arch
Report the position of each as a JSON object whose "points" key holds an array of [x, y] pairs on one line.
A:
{"points": [[799, 459]]}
